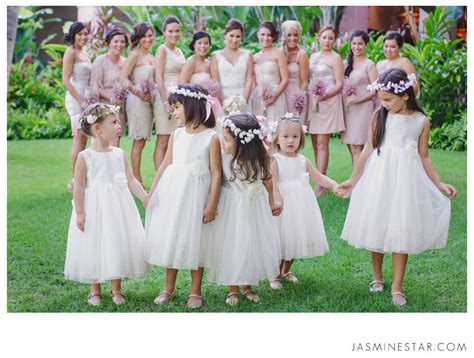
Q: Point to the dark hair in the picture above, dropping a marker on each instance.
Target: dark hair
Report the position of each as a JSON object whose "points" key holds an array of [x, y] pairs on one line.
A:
{"points": [[276, 146], [74, 29], [251, 158], [394, 35], [350, 57], [197, 36], [169, 20], [139, 32], [234, 24], [194, 109], [270, 26], [326, 28], [393, 75], [117, 31], [99, 110]]}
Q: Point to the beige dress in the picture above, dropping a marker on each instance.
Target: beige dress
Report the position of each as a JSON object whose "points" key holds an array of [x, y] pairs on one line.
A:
{"points": [[330, 117], [267, 75], [357, 115], [293, 89], [139, 112], [232, 76], [80, 79], [106, 75], [165, 123]]}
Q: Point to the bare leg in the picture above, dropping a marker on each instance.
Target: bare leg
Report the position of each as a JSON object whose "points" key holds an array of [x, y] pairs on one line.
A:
{"points": [[314, 141], [286, 266], [196, 281], [251, 295], [79, 142], [233, 297], [116, 292], [377, 260], [137, 149], [94, 296], [170, 280], [399, 263], [160, 149], [322, 158], [355, 152]]}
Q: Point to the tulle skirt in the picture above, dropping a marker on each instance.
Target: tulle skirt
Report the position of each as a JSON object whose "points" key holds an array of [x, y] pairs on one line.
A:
{"points": [[395, 207], [242, 246], [111, 246]]}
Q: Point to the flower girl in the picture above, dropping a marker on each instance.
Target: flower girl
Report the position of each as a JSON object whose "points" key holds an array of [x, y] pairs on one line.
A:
{"points": [[185, 192], [300, 225], [106, 235], [243, 247], [397, 205]]}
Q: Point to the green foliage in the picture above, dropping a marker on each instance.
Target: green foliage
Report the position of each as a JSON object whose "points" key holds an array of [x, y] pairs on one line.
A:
{"points": [[374, 50], [441, 65], [450, 136]]}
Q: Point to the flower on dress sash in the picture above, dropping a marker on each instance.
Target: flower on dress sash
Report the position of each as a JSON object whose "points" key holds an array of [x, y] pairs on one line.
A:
{"points": [[121, 180], [254, 190], [412, 148], [199, 169]]}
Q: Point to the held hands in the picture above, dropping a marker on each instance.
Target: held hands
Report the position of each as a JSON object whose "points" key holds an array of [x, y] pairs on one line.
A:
{"points": [[448, 189], [143, 96], [80, 221], [146, 201], [344, 189], [352, 100]]}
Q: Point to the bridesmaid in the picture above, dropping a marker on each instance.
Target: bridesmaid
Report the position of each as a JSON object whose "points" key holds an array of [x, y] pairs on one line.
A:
{"points": [[76, 77], [196, 69], [105, 75], [137, 74], [270, 75], [392, 45], [360, 72], [169, 60], [298, 67], [325, 113], [232, 67]]}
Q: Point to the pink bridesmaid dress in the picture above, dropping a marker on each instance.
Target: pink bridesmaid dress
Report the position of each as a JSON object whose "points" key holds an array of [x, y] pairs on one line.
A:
{"points": [[330, 116], [357, 115], [293, 89]]}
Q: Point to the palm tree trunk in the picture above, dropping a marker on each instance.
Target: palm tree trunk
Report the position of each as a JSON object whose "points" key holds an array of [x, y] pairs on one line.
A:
{"points": [[12, 17]]}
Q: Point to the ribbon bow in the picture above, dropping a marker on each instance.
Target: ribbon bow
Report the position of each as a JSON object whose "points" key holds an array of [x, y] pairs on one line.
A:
{"points": [[212, 103]]}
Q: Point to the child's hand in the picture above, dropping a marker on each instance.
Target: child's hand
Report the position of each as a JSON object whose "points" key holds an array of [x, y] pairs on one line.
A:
{"points": [[448, 189], [344, 189], [277, 208], [209, 214], [334, 188], [80, 221]]}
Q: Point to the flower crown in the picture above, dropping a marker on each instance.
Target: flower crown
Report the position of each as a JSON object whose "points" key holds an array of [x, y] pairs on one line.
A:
{"points": [[399, 87], [96, 111], [187, 93], [289, 116], [244, 136]]}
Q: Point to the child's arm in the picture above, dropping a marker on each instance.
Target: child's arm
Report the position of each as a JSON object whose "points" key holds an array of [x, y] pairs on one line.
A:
{"points": [[319, 178], [346, 187], [167, 160], [428, 165], [276, 191], [78, 191], [133, 184], [276, 207], [215, 162]]}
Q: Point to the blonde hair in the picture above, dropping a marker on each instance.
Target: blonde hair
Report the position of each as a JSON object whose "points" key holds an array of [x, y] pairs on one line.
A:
{"points": [[276, 146], [287, 26]]}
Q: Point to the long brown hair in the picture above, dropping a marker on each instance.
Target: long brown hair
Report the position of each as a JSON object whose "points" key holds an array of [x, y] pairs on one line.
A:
{"points": [[251, 158], [393, 75], [139, 32]]}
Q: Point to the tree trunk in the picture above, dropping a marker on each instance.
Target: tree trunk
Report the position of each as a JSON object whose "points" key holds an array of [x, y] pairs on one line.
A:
{"points": [[12, 17]]}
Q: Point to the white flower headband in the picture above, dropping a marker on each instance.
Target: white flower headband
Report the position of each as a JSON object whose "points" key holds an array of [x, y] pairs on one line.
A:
{"points": [[244, 136], [289, 116], [92, 118], [211, 102], [399, 87]]}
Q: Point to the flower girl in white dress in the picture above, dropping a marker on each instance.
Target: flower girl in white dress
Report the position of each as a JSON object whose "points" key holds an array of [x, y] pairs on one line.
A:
{"points": [[242, 246], [185, 192], [397, 205], [106, 235], [300, 225]]}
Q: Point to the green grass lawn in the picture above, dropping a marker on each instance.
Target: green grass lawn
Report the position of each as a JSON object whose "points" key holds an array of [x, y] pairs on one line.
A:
{"points": [[39, 210]]}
